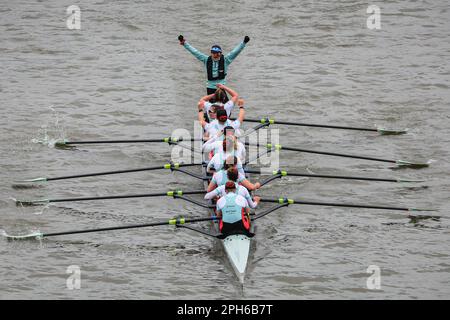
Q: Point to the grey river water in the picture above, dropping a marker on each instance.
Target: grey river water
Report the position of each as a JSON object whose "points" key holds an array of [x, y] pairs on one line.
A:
{"points": [[123, 75]]}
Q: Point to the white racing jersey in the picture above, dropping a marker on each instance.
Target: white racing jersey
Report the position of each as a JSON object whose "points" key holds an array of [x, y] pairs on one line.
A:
{"points": [[215, 145], [215, 126], [227, 106], [216, 163], [240, 190], [220, 178]]}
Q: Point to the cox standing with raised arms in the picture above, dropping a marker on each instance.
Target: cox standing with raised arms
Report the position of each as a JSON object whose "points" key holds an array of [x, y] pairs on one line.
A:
{"points": [[216, 64]]}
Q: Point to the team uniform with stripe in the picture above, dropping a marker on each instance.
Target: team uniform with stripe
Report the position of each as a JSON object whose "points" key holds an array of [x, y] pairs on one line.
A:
{"points": [[227, 106], [220, 178], [215, 126], [232, 206], [218, 160], [216, 146], [240, 190]]}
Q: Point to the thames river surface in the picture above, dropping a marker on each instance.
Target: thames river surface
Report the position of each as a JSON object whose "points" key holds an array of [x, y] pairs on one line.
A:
{"points": [[123, 75]]}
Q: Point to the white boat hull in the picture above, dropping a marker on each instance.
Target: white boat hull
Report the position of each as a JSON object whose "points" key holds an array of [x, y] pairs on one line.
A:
{"points": [[237, 247]]}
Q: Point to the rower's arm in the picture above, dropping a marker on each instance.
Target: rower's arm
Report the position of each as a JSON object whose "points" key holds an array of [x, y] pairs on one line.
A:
{"points": [[252, 204], [240, 167], [241, 115], [244, 154], [234, 95], [250, 186], [201, 115], [209, 167], [235, 52], [209, 145], [199, 55], [206, 98], [211, 187], [212, 194]]}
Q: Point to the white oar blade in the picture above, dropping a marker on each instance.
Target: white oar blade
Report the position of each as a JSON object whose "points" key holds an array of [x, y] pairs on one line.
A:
{"points": [[24, 185], [385, 131], [31, 180], [63, 145], [31, 236], [403, 163], [27, 203], [422, 209], [409, 181], [28, 183]]}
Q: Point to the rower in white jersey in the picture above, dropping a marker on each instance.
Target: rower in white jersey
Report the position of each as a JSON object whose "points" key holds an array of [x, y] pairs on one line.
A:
{"points": [[229, 146], [215, 144], [219, 98], [233, 211], [232, 175], [220, 122], [220, 177]]}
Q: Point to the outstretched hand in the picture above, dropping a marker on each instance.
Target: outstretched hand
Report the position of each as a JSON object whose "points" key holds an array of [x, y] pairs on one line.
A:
{"points": [[181, 39], [246, 39]]}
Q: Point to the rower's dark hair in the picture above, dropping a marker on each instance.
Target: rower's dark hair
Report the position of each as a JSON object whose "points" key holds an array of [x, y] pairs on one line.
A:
{"points": [[227, 141], [220, 96], [227, 165], [230, 185], [232, 174], [228, 129]]}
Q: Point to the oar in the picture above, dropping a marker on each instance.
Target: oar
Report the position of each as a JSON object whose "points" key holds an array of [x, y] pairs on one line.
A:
{"points": [[171, 166], [250, 131], [380, 130], [174, 194], [283, 173], [401, 163], [64, 143], [174, 221], [338, 204]]}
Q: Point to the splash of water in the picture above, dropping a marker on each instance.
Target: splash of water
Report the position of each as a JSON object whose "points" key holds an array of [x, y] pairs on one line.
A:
{"points": [[52, 131], [42, 211]]}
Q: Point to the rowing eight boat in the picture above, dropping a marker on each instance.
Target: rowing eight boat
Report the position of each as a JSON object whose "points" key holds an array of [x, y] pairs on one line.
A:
{"points": [[236, 246]]}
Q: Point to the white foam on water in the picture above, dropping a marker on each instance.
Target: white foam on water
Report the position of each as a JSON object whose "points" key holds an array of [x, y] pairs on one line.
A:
{"points": [[51, 132]]}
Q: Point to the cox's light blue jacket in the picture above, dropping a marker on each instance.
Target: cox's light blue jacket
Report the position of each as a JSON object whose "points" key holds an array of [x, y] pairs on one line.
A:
{"points": [[215, 64]]}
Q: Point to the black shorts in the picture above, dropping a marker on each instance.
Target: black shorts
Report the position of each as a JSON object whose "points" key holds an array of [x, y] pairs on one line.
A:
{"points": [[234, 228]]}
